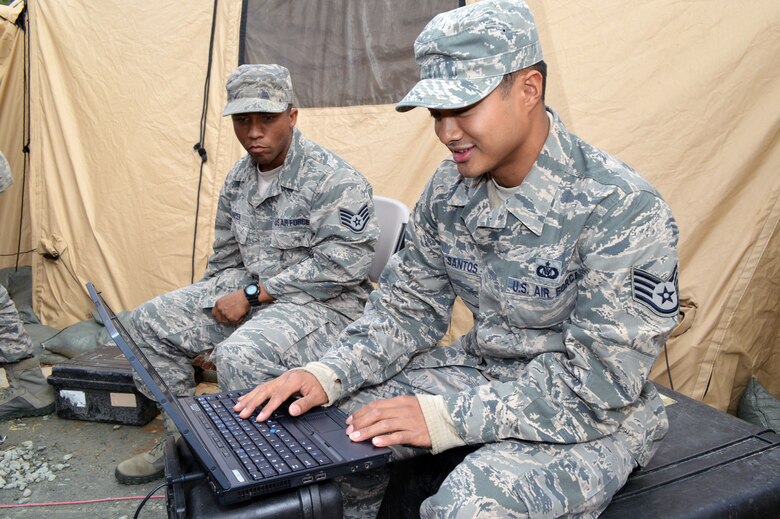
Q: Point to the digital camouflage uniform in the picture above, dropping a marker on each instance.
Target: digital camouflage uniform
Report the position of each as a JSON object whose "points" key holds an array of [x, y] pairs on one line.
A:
{"points": [[572, 282], [309, 240], [15, 344]]}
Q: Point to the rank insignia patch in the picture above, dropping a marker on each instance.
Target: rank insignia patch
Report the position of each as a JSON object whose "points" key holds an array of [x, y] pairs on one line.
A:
{"points": [[660, 295], [355, 221]]}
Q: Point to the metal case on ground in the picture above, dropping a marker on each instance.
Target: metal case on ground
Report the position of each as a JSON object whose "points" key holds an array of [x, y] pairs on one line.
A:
{"points": [[98, 387]]}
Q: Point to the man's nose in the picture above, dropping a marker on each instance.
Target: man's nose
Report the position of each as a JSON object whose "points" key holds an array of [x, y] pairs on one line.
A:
{"points": [[448, 130], [256, 130]]}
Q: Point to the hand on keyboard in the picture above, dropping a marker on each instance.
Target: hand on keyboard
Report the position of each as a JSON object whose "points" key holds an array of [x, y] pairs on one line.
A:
{"points": [[276, 391]]}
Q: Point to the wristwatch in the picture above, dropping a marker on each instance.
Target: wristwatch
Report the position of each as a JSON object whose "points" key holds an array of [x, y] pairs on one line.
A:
{"points": [[252, 294]]}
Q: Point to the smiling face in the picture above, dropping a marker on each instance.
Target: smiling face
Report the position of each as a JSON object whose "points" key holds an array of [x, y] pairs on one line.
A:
{"points": [[502, 134], [266, 136]]}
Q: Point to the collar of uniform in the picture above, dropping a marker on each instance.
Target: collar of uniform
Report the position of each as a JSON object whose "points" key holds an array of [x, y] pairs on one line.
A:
{"points": [[471, 195], [533, 200], [464, 190], [289, 176]]}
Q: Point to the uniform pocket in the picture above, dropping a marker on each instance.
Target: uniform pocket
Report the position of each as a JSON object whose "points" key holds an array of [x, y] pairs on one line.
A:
{"points": [[528, 304], [286, 239]]}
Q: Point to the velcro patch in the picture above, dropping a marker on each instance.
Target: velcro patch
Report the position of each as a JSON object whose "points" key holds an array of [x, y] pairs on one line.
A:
{"points": [[548, 269], [659, 295], [356, 222]]}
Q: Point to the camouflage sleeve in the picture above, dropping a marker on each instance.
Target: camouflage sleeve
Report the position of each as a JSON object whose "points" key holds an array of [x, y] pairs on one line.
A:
{"points": [[345, 233], [598, 363], [408, 312], [6, 178]]}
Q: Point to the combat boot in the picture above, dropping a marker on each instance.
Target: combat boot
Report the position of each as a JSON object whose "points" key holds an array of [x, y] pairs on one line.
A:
{"points": [[144, 467], [28, 393], [147, 466]]}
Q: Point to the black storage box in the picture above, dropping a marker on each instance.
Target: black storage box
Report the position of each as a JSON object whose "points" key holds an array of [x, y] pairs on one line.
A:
{"points": [[196, 500], [98, 387], [710, 465]]}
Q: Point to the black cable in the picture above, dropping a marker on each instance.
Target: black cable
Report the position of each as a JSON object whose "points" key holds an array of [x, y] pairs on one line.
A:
{"points": [[194, 476], [199, 146], [147, 498], [668, 368], [26, 127], [17, 253]]}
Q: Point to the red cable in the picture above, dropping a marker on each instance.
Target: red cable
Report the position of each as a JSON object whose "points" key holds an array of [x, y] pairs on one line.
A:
{"points": [[88, 501]]}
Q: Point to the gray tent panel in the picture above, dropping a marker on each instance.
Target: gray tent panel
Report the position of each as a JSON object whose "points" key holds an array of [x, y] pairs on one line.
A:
{"points": [[339, 52]]}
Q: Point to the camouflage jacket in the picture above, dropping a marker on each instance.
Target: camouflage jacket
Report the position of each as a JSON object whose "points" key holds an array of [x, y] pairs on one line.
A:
{"points": [[310, 237], [572, 284], [6, 178]]}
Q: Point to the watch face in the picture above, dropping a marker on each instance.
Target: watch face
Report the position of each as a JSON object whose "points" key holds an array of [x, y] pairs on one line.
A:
{"points": [[251, 290]]}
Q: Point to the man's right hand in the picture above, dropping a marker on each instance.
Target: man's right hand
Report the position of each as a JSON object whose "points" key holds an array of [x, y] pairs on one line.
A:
{"points": [[276, 391], [231, 309]]}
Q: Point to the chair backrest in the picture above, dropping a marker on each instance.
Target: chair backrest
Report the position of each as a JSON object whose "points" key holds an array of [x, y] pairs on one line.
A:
{"points": [[392, 216]]}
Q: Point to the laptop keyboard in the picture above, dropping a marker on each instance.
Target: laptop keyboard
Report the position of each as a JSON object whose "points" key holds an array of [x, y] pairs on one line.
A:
{"points": [[266, 449]]}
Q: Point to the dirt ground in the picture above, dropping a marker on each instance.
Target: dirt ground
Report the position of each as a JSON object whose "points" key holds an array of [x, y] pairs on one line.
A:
{"points": [[87, 487], [96, 448]]}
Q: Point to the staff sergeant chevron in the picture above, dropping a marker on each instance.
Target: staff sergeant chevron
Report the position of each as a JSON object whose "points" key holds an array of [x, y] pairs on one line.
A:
{"points": [[660, 295], [355, 222]]}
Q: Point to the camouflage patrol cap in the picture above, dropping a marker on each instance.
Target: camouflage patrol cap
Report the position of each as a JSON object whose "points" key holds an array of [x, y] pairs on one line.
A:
{"points": [[258, 88], [464, 53]]}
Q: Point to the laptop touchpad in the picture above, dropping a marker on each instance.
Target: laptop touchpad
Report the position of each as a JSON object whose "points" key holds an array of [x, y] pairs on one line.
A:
{"points": [[322, 423]]}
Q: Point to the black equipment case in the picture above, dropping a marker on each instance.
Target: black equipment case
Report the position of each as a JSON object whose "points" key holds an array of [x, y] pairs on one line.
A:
{"points": [[196, 500], [710, 465], [98, 386]]}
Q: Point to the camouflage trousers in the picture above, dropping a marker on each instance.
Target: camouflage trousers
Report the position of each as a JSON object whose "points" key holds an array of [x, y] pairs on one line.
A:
{"points": [[173, 329], [504, 479], [15, 344]]}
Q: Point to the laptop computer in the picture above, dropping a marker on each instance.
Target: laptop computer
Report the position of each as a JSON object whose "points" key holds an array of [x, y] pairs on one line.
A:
{"points": [[243, 458]]}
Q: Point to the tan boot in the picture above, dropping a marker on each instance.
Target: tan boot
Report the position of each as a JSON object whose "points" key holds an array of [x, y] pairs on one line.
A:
{"points": [[147, 466], [144, 467], [28, 393]]}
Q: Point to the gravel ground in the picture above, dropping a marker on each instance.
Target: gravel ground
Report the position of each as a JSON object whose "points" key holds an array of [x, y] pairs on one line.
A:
{"points": [[52, 461]]}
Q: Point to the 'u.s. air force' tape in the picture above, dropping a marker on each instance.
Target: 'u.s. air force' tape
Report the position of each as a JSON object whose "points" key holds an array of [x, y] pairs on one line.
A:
{"points": [[355, 221], [659, 295]]}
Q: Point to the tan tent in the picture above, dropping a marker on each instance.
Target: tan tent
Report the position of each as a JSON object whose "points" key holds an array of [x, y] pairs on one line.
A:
{"points": [[687, 93]]}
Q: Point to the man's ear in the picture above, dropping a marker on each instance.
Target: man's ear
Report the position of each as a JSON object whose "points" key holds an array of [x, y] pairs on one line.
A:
{"points": [[293, 116], [532, 87]]}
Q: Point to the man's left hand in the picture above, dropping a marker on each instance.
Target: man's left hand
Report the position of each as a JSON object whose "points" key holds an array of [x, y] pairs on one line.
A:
{"points": [[393, 421]]}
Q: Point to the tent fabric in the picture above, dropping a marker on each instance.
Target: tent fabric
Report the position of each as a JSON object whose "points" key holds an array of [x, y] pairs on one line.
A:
{"points": [[316, 43], [687, 93], [113, 121], [12, 209]]}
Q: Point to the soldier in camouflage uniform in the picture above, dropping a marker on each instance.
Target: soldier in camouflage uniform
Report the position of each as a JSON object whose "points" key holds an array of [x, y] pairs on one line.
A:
{"points": [[567, 259], [295, 235], [28, 393]]}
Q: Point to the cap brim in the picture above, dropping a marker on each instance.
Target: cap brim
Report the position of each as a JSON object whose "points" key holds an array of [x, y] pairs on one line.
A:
{"points": [[447, 94], [250, 105]]}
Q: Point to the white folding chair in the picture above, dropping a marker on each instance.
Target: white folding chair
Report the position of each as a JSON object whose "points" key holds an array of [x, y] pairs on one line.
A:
{"points": [[392, 216]]}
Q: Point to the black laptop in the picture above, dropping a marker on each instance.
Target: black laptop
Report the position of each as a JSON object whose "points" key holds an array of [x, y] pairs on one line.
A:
{"points": [[246, 458]]}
